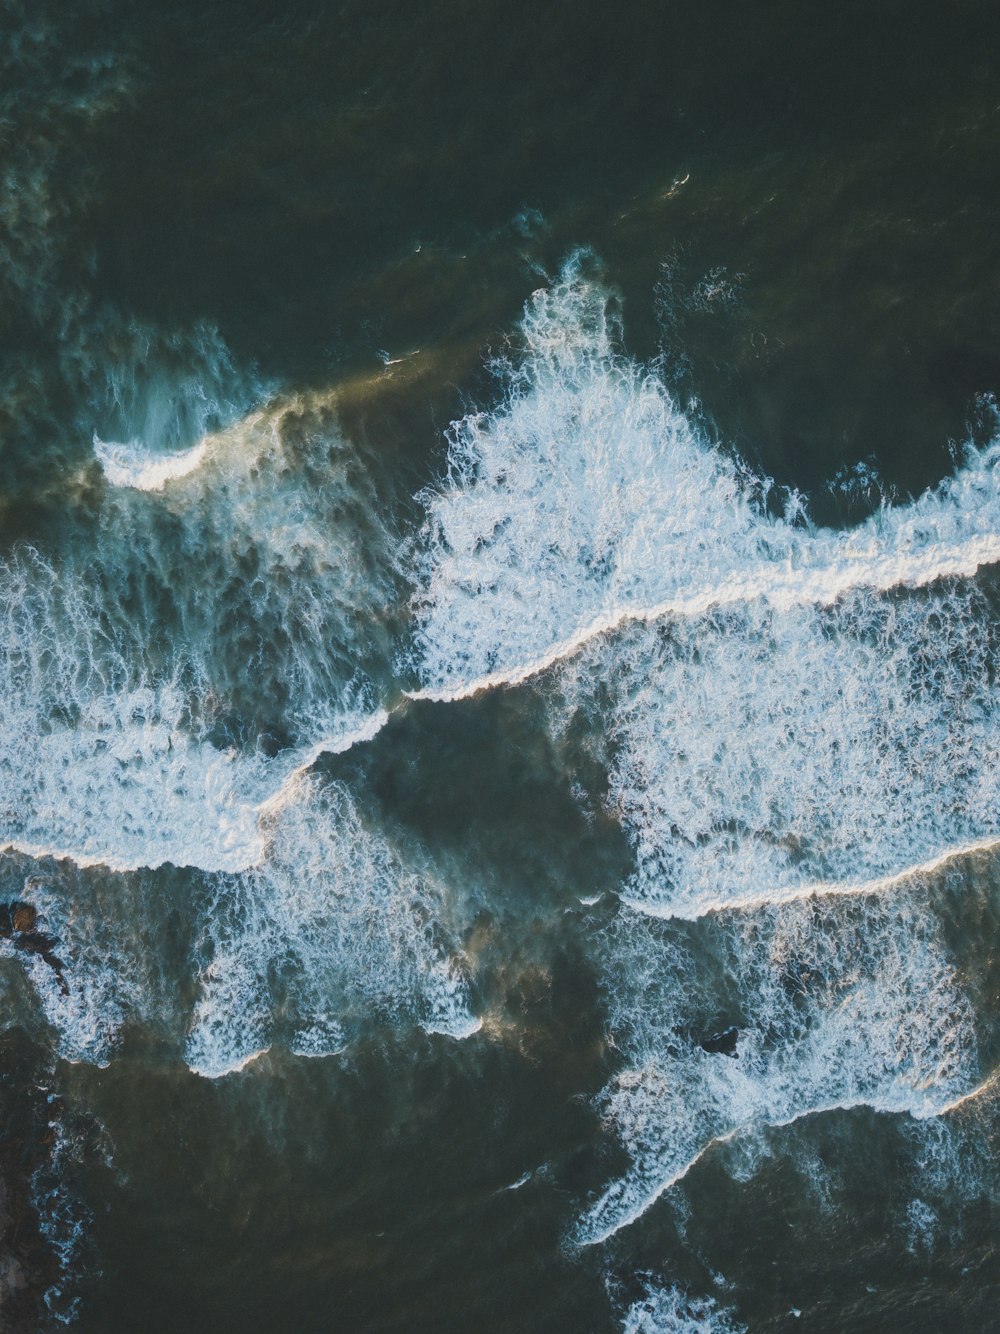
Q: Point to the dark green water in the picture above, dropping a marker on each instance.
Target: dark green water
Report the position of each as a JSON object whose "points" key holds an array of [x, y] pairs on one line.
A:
{"points": [[464, 337]]}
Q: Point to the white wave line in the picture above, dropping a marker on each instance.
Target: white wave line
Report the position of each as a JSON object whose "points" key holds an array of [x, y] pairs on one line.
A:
{"points": [[234, 1069], [815, 888], [808, 587], [335, 745], [588, 1238], [989, 1085]]}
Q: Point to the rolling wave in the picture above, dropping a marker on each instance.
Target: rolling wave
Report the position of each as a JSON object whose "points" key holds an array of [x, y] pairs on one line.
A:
{"points": [[588, 499], [838, 1003]]}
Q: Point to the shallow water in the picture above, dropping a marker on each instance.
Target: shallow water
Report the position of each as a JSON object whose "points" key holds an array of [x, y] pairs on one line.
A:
{"points": [[500, 513]]}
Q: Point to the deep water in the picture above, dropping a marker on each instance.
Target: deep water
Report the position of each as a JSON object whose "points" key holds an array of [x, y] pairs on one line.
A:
{"points": [[499, 708]]}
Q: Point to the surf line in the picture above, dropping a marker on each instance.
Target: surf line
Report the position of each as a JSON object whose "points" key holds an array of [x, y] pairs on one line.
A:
{"points": [[597, 1235], [814, 889], [783, 589]]}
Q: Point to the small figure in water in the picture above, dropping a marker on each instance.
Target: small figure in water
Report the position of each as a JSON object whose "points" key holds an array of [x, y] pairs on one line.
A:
{"points": [[17, 924]]}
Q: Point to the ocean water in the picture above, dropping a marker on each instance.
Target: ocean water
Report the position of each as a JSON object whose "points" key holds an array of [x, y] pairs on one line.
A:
{"points": [[499, 701]]}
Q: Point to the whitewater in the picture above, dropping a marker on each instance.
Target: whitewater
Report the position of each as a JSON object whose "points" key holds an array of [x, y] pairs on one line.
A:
{"points": [[799, 728]]}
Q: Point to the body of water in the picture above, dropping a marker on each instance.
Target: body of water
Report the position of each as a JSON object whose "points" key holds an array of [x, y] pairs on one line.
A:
{"points": [[499, 706]]}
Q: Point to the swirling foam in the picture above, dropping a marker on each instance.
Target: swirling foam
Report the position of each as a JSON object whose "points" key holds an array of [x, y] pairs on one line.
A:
{"points": [[764, 754], [839, 1002], [588, 498], [669, 1310], [331, 930]]}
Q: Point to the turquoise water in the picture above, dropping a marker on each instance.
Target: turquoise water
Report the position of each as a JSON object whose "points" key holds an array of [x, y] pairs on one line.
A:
{"points": [[498, 708]]}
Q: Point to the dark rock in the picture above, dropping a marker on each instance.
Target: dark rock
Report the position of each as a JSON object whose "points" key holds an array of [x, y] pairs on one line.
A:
{"points": [[722, 1044], [17, 924], [23, 917]]}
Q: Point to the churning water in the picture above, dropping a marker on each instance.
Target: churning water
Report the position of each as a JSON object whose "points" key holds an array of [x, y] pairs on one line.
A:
{"points": [[499, 700]]}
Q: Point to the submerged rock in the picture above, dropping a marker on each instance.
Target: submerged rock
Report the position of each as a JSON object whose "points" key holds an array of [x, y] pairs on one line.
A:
{"points": [[18, 921], [722, 1044]]}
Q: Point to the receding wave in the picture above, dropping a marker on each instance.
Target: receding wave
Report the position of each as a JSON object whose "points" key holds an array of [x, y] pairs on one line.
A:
{"points": [[330, 929], [832, 1003]]}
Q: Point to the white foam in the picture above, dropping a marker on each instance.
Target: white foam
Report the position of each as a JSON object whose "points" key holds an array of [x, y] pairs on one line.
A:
{"points": [[840, 1002], [135, 466], [117, 664], [170, 394], [108, 976], [588, 499], [332, 930], [764, 756], [670, 1310]]}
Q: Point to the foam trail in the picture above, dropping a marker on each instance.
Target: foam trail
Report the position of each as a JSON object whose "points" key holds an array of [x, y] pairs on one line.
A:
{"points": [[331, 931], [588, 499], [839, 1003]]}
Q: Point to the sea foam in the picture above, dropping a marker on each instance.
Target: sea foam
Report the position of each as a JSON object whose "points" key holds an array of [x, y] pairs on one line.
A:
{"points": [[333, 930], [789, 709], [136, 466], [765, 755], [838, 1002], [588, 498], [670, 1310], [149, 716]]}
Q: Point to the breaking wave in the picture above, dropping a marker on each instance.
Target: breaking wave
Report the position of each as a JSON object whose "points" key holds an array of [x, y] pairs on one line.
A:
{"points": [[835, 1002], [147, 717], [332, 929], [588, 498]]}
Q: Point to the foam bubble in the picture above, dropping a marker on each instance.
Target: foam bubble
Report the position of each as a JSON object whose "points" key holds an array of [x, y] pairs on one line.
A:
{"points": [[838, 1001]]}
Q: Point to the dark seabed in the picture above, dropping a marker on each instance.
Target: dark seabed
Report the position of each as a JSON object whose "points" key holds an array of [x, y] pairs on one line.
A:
{"points": [[499, 694]]}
